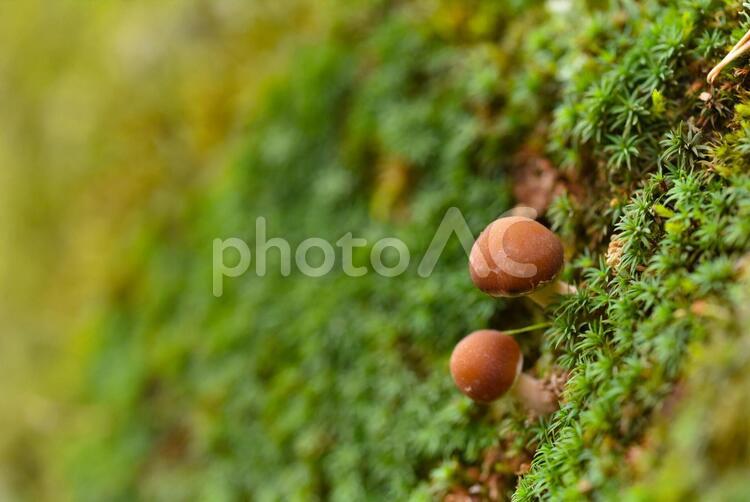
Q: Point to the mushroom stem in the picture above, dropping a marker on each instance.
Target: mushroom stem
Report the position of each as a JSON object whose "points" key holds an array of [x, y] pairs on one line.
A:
{"points": [[534, 395], [533, 327], [547, 294], [739, 48]]}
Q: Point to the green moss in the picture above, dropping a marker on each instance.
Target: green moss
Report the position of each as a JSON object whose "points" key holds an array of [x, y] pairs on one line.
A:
{"points": [[298, 388]]}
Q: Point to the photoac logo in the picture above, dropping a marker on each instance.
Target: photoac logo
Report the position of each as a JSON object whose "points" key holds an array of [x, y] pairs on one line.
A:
{"points": [[453, 222]]}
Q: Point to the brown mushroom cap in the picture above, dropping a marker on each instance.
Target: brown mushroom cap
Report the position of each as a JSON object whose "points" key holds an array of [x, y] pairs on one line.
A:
{"points": [[513, 256], [485, 364]]}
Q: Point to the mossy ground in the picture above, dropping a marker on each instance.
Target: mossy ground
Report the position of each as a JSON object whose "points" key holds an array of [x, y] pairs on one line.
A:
{"points": [[295, 388]]}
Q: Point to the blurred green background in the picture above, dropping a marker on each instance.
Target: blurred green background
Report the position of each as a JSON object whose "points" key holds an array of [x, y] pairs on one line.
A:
{"points": [[132, 134], [114, 115]]}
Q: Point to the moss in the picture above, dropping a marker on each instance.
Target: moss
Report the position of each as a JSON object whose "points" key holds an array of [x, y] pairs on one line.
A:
{"points": [[299, 388]]}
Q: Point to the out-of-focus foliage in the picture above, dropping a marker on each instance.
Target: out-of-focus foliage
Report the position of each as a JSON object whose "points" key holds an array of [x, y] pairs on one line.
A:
{"points": [[704, 430], [296, 388], [113, 116]]}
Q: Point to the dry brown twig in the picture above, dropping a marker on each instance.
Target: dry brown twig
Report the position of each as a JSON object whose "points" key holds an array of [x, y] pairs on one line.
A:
{"points": [[739, 49]]}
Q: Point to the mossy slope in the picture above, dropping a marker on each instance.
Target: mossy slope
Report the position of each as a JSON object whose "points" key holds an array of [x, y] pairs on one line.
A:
{"points": [[337, 387]]}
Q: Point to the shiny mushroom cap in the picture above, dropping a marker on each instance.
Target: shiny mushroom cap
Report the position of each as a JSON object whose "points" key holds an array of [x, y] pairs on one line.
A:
{"points": [[485, 364], [515, 255]]}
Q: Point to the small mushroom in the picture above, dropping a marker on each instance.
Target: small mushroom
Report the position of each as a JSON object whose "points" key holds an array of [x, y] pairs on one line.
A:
{"points": [[517, 256], [486, 364], [739, 48]]}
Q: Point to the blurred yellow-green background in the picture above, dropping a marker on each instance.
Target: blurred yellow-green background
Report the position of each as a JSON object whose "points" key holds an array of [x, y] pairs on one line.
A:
{"points": [[113, 115]]}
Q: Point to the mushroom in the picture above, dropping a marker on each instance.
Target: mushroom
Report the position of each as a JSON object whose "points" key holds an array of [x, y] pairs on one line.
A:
{"points": [[739, 48], [487, 363], [517, 256]]}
